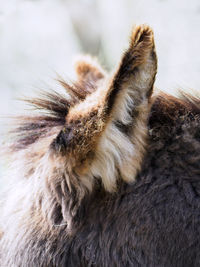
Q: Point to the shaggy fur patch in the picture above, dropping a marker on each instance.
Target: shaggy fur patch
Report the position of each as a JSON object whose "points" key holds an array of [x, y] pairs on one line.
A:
{"points": [[106, 174]]}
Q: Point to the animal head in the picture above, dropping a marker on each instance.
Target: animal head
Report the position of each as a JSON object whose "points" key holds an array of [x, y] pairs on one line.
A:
{"points": [[97, 131]]}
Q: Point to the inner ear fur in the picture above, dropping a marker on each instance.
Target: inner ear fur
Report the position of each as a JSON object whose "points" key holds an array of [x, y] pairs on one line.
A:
{"points": [[122, 146], [137, 68]]}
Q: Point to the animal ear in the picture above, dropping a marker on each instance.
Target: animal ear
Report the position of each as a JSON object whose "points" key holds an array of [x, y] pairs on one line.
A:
{"points": [[88, 69], [123, 100], [123, 143], [136, 72]]}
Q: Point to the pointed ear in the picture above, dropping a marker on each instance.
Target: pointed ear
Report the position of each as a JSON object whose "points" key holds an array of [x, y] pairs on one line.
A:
{"points": [[137, 69], [93, 123], [122, 145], [88, 69]]}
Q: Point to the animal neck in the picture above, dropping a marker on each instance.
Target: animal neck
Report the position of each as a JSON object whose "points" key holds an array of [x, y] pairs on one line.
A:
{"points": [[65, 196]]}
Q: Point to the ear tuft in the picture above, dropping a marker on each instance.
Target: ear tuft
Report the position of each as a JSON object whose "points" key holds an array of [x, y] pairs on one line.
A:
{"points": [[88, 69], [142, 34], [141, 43]]}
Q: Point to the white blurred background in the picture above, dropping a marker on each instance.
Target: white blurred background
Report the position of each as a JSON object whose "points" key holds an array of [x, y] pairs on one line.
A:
{"points": [[40, 38]]}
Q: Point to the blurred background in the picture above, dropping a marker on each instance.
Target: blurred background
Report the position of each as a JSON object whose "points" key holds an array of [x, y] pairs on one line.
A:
{"points": [[40, 38]]}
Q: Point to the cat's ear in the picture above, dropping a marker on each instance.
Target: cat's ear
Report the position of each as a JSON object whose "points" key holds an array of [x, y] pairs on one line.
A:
{"points": [[88, 70]]}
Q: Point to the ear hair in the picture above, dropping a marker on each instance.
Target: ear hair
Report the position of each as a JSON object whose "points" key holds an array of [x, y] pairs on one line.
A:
{"points": [[138, 65], [88, 69], [141, 43]]}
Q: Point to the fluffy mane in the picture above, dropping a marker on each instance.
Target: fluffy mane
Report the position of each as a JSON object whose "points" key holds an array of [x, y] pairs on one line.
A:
{"points": [[53, 107]]}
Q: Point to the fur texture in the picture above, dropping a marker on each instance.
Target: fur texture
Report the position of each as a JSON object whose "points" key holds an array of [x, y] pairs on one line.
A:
{"points": [[106, 175]]}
